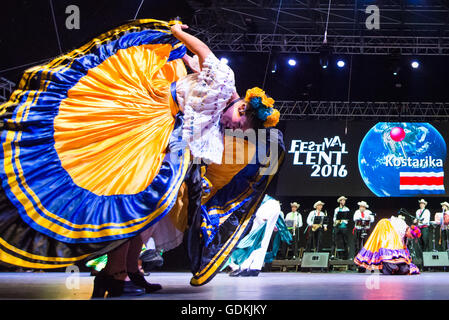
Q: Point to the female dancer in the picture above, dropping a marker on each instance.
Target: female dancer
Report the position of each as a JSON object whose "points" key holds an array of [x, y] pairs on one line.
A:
{"points": [[386, 248], [107, 145]]}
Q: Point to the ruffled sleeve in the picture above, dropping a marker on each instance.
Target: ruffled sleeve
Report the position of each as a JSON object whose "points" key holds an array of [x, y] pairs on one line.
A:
{"points": [[203, 103]]}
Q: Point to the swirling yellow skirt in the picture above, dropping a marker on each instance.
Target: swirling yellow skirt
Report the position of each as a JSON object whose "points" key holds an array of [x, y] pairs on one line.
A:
{"points": [[84, 140], [84, 164]]}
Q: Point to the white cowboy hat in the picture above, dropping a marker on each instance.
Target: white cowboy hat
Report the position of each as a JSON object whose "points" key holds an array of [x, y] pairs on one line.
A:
{"points": [[317, 204], [294, 204], [363, 204], [423, 201], [445, 203], [341, 198]]}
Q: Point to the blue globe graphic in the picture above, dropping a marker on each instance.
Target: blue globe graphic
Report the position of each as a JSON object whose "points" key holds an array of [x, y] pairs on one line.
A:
{"points": [[421, 141]]}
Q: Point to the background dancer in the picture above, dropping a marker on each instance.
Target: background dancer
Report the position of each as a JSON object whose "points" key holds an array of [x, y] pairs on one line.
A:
{"points": [[248, 259], [386, 248]]}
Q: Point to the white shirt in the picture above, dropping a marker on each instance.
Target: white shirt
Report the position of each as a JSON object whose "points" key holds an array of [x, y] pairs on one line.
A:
{"points": [[339, 209], [295, 217], [400, 226], [367, 215], [203, 96], [425, 216], [312, 216], [439, 217]]}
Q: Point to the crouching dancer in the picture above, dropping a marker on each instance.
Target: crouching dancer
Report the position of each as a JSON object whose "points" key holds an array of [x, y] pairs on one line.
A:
{"points": [[386, 248]]}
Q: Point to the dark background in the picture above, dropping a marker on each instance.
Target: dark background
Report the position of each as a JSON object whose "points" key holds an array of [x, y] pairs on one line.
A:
{"points": [[28, 37]]}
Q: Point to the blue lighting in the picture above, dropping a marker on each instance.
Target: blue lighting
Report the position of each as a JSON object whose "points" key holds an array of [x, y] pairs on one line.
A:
{"points": [[415, 64], [224, 60]]}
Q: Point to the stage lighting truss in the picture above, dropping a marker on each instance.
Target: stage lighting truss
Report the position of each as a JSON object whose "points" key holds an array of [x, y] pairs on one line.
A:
{"points": [[408, 28], [359, 110], [287, 43], [6, 88]]}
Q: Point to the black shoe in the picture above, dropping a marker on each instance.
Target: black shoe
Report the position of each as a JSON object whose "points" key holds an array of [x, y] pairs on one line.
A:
{"points": [[131, 290], [249, 273], [139, 280], [361, 270], [100, 286], [235, 273], [253, 273], [244, 273], [105, 283]]}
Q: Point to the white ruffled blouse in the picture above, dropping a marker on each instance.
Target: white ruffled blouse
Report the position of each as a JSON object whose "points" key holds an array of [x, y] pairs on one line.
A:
{"points": [[400, 226], [203, 97]]}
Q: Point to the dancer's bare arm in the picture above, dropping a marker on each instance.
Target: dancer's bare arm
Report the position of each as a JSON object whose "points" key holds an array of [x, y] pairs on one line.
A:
{"points": [[192, 43]]}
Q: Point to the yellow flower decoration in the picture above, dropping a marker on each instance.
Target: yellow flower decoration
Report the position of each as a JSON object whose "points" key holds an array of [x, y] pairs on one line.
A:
{"points": [[272, 119], [269, 102], [257, 92], [254, 92]]}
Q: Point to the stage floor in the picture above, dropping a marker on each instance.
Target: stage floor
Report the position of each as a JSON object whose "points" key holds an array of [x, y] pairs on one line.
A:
{"points": [[267, 286]]}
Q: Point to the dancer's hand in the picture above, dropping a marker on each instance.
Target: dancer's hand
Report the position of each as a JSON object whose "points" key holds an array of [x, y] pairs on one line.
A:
{"points": [[178, 27], [192, 43]]}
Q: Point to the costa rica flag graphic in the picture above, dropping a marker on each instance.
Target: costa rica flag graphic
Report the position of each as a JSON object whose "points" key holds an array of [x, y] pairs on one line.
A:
{"points": [[423, 182]]}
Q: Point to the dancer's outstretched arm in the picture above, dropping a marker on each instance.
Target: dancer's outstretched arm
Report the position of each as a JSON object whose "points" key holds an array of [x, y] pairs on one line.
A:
{"points": [[192, 43]]}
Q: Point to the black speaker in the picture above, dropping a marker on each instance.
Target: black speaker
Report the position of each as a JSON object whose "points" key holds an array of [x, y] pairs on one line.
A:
{"points": [[435, 259], [315, 260]]}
